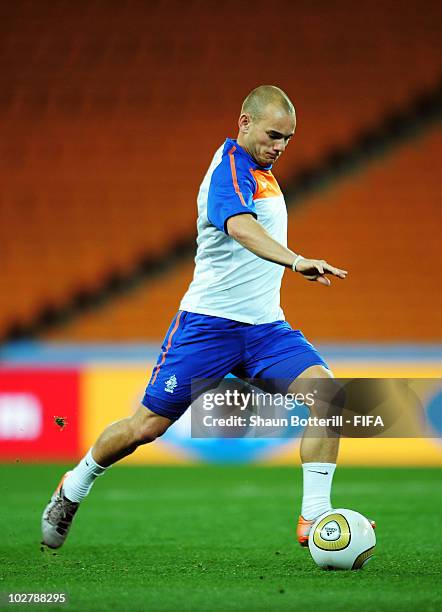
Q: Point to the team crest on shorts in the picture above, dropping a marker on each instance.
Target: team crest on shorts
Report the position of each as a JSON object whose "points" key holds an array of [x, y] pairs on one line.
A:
{"points": [[171, 383]]}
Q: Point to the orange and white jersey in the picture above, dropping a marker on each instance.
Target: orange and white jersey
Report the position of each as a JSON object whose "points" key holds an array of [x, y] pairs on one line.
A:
{"points": [[229, 280]]}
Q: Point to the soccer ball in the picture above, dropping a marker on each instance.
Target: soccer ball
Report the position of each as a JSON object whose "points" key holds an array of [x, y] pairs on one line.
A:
{"points": [[342, 539]]}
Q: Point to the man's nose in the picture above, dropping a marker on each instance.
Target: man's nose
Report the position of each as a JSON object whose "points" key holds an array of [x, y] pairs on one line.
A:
{"points": [[280, 145]]}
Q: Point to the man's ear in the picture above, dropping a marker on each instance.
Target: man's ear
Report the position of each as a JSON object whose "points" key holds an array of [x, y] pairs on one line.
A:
{"points": [[244, 122]]}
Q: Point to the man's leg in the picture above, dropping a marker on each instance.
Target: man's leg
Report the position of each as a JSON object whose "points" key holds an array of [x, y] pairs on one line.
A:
{"points": [[318, 443], [118, 440], [319, 449]]}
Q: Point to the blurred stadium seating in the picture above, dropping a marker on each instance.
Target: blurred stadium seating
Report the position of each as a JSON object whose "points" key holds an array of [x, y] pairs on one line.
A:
{"points": [[110, 112]]}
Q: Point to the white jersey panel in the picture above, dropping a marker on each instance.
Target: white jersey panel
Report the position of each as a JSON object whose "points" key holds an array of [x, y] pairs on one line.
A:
{"points": [[229, 281]]}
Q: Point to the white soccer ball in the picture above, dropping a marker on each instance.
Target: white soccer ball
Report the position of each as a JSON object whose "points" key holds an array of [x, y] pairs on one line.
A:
{"points": [[342, 539]]}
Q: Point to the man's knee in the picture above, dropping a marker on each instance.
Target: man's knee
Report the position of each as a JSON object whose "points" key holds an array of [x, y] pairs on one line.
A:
{"points": [[311, 379], [147, 426], [327, 393]]}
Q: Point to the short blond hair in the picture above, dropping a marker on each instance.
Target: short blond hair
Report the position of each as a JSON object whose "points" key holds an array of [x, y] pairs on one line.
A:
{"points": [[260, 97]]}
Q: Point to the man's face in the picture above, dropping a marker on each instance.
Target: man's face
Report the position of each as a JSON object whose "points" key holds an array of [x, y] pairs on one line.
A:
{"points": [[267, 137]]}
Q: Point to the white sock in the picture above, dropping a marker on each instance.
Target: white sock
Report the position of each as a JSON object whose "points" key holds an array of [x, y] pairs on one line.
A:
{"points": [[79, 482], [318, 479]]}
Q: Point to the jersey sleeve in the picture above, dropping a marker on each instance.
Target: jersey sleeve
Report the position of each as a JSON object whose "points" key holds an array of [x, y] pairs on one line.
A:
{"points": [[230, 193]]}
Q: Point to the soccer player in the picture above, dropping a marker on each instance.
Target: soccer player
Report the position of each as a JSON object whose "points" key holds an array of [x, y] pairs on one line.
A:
{"points": [[230, 319]]}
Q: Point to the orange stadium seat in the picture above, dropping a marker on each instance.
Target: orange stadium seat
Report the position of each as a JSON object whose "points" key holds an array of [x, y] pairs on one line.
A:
{"points": [[110, 112]]}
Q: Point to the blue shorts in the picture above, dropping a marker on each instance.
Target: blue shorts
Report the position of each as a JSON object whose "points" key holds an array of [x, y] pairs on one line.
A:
{"points": [[205, 347]]}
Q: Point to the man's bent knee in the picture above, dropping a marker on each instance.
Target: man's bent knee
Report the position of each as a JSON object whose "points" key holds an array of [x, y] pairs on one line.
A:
{"points": [[147, 426], [328, 392], [316, 371], [307, 381]]}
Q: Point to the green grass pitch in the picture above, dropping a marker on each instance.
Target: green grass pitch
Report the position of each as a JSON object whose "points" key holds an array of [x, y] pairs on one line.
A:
{"points": [[209, 538]]}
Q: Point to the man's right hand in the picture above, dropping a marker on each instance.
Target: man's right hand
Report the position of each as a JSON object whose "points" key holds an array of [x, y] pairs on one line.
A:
{"points": [[317, 270]]}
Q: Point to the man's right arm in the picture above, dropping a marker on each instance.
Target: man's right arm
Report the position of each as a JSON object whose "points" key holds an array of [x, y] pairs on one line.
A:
{"points": [[246, 230], [231, 209]]}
